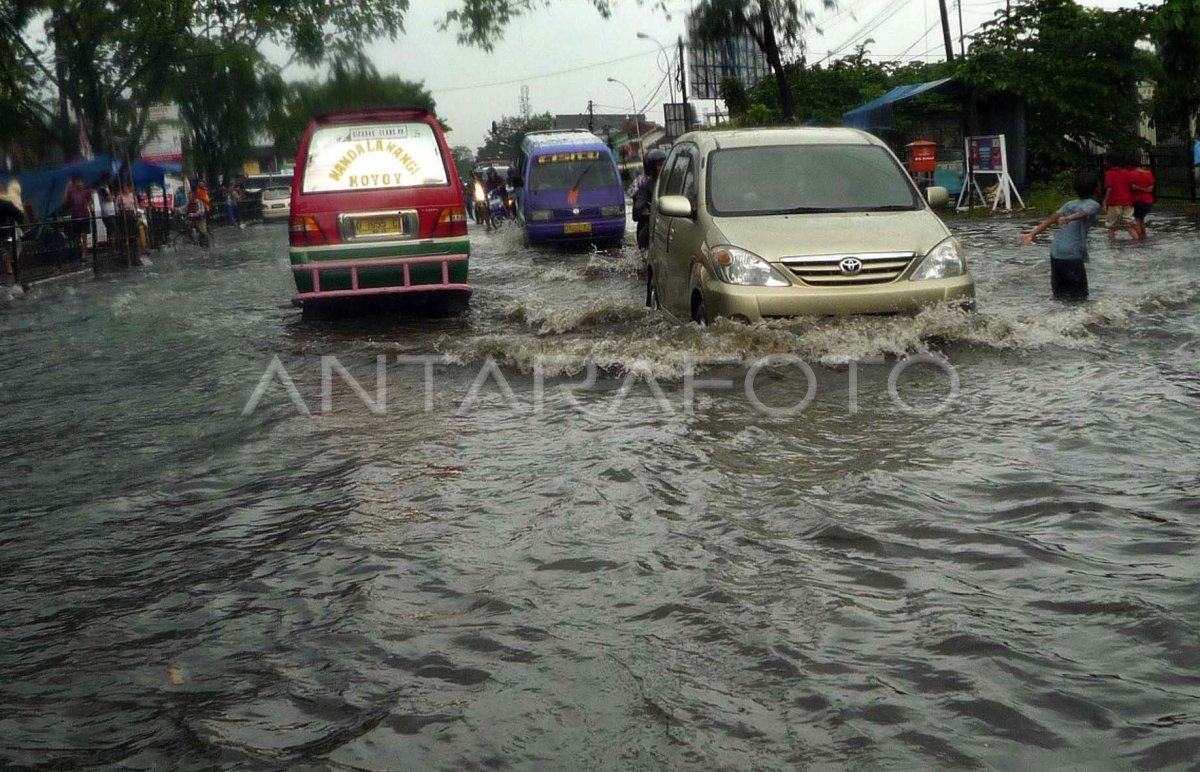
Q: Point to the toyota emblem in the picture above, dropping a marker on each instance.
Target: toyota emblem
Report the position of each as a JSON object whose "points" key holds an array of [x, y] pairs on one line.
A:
{"points": [[575, 212], [850, 265]]}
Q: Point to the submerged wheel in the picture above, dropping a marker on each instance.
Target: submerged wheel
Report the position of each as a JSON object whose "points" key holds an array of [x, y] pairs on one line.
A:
{"points": [[699, 310], [652, 300], [456, 306]]}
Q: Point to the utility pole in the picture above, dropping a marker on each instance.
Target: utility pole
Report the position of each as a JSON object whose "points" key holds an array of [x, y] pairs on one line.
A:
{"points": [[591, 118], [687, 118], [946, 30], [962, 43]]}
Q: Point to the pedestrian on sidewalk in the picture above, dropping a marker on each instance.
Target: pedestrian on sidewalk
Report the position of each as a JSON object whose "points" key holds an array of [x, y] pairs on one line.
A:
{"points": [[78, 201]]}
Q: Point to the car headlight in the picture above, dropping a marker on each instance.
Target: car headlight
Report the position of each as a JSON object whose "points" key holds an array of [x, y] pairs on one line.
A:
{"points": [[737, 266], [943, 261], [612, 211], [540, 215]]}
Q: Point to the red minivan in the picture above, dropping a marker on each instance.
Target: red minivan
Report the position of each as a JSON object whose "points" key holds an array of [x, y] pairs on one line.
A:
{"points": [[377, 209]]}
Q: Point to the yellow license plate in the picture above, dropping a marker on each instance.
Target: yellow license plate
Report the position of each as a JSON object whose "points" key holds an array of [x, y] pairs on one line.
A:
{"points": [[378, 226], [577, 227]]}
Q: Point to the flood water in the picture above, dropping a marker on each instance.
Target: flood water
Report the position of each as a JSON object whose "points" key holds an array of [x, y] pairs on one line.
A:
{"points": [[511, 562]]}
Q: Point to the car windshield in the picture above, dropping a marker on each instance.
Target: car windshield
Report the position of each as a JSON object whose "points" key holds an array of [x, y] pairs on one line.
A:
{"points": [[271, 194], [779, 179], [565, 171], [373, 156]]}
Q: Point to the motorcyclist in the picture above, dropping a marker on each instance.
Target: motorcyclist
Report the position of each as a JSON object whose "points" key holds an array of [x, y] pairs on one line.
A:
{"points": [[495, 191], [642, 193]]}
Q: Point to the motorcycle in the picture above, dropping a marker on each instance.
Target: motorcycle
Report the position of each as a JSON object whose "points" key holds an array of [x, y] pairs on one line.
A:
{"points": [[497, 209]]}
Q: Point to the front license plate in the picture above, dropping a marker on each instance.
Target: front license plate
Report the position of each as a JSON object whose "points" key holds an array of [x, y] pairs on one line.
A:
{"points": [[378, 226], [577, 227]]}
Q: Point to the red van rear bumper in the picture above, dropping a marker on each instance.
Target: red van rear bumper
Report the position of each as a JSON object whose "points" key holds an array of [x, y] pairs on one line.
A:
{"points": [[404, 280]]}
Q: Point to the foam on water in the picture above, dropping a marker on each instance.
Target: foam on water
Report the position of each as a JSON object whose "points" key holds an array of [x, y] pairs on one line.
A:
{"points": [[619, 336]]}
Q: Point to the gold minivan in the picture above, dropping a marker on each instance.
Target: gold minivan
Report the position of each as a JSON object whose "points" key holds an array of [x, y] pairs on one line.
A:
{"points": [[759, 223]]}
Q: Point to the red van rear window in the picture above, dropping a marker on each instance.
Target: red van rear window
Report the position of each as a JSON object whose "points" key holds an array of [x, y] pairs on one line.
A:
{"points": [[373, 156]]}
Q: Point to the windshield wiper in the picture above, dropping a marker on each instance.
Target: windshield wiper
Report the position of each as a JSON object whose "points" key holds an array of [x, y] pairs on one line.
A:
{"points": [[893, 208], [816, 210]]}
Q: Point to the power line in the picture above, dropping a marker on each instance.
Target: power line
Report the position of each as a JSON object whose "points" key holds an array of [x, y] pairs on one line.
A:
{"points": [[919, 39], [543, 76], [889, 10]]}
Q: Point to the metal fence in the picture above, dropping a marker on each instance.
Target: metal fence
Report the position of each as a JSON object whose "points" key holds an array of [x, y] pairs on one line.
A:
{"points": [[44, 250], [39, 251]]}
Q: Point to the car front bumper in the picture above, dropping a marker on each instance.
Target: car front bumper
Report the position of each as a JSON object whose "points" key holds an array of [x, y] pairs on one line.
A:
{"points": [[753, 304], [555, 231]]}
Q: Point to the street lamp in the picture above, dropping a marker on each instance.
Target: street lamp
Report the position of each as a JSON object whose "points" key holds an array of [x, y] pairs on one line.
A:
{"points": [[666, 58], [637, 124]]}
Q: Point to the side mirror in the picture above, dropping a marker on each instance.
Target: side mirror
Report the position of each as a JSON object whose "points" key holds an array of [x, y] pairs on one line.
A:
{"points": [[938, 196], [675, 206]]}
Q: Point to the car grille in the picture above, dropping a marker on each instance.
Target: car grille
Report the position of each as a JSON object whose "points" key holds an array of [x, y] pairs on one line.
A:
{"points": [[566, 214], [826, 270]]}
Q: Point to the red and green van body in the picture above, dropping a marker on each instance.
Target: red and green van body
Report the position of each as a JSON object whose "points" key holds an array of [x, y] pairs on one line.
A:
{"points": [[377, 209]]}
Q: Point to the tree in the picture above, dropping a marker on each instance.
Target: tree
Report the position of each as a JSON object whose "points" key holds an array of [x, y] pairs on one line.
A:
{"points": [[219, 93], [464, 159], [775, 26], [1078, 71], [107, 62], [504, 138], [1175, 31], [353, 83], [733, 91]]}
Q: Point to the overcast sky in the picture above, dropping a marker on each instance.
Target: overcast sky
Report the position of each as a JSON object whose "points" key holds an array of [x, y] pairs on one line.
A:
{"points": [[565, 53]]}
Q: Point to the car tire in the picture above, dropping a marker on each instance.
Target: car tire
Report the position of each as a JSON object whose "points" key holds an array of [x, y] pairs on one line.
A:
{"points": [[652, 301], [456, 306], [700, 311]]}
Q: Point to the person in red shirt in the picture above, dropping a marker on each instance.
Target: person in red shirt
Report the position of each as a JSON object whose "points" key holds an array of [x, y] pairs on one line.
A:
{"points": [[1141, 181], [202, 194], [1118, 199]]}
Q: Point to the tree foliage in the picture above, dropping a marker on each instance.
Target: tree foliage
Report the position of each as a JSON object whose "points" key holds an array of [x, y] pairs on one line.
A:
{"points": [[775, 26], [504, 139], [110, 61], [1077, 69], [482, 22], [464, 159], [1175, 30], [352, 83], [220, 95], [733, 92], [823, 93]]}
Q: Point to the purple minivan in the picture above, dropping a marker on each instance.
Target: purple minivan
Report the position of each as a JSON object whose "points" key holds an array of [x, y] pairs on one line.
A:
{"points": [[572, 190]]}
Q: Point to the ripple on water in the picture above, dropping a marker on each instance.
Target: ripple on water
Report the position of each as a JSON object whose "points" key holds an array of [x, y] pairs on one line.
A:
{"points": [[1008, 585]]}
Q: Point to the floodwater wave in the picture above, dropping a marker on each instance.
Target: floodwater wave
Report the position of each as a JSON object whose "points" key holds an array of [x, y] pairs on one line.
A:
{"points": [[1011, 583]]}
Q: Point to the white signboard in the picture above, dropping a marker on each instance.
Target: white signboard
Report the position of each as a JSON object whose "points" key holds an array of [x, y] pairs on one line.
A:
{"points": [[373, 156], [987, 157], [165, 132]]}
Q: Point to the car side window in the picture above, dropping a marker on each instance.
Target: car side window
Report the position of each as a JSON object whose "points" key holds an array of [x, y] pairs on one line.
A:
{"points": [[689, 181], [678, 170]]}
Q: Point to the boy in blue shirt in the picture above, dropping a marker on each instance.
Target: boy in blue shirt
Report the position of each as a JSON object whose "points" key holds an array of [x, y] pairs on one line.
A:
{"points": [[1068, 250]]}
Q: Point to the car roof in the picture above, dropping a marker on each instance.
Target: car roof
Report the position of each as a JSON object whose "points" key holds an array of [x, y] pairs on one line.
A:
{"points": [[806, 135], [398, 113], [560, 138]]}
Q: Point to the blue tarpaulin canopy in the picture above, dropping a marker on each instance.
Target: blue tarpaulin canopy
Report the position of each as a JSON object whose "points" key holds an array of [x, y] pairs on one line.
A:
{"points": [[147, 174], [877, 114], [45, 187]]}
